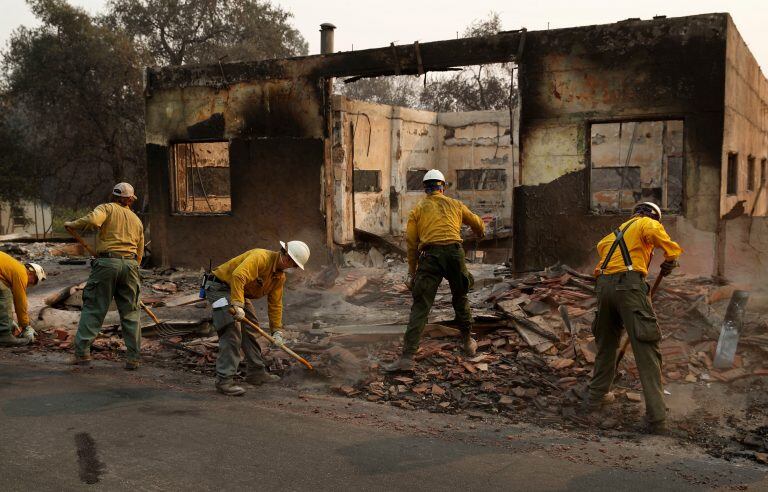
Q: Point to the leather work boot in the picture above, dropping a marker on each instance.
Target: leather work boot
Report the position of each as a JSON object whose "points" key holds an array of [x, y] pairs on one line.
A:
{"points": [[229, 388], [404, 364], [131, 364], [260, 377], [79, 360], [590, 405], [469, 345], [8, 340]]}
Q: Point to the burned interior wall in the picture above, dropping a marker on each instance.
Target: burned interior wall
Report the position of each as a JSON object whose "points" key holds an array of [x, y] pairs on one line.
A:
{"points": [[473, 149], [274, 129], [663, 69], [743, 199]]}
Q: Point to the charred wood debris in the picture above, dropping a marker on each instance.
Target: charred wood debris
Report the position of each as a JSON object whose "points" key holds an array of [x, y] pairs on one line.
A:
{"points": [[535, 346]]}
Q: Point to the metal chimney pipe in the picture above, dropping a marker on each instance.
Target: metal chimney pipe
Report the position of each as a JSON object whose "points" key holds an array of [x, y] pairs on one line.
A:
{"points": [[326, 38]]}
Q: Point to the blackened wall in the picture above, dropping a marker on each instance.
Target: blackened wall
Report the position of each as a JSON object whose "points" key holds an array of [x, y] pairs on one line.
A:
{"points": [[667, 68], [275, 130]]}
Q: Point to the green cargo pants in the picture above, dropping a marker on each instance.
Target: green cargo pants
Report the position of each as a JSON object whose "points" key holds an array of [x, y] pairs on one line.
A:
{"points": [[436, 263], [111, 277], [6, 310], [233, 337], [623, 301]]}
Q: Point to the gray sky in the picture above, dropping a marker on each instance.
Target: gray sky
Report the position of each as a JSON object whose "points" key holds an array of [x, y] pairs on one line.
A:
{"points": [[369, 24]]}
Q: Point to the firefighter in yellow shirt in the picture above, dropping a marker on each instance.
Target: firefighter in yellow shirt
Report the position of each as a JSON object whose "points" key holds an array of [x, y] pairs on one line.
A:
{"points": [[435, 252], [15, 277], [623, 300], [251, 275], [114, 273]]}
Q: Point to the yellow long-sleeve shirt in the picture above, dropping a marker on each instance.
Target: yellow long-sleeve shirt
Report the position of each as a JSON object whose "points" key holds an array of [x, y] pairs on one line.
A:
{"points": [[14, 275], [120, 230], [252, 275], [437, 219], [641, 238]]}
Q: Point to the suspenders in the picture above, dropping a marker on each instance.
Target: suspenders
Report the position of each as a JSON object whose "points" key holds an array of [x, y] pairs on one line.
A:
{"points": [[622, 245]]}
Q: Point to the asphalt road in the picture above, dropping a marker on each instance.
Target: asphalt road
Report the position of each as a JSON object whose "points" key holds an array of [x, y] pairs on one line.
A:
{"points": [[105, 429]]}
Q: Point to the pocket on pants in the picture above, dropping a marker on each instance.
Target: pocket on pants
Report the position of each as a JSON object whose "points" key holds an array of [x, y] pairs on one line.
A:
{"points": [[646, 327]]}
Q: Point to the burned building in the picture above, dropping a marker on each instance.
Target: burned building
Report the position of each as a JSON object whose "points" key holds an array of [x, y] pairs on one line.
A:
{"points": [[670, 110]]}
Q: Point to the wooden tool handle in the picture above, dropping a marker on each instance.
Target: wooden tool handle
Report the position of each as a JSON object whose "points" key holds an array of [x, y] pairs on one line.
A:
{"points": [[80, 240], [272, 340], [149, 312]]}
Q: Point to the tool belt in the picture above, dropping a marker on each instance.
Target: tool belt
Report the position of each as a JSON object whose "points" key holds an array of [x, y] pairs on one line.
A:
{"points": [[119, 256], [622, 246]]}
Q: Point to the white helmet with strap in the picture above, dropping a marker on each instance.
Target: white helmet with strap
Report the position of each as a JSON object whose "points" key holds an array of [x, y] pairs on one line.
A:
{"points": [[654, 209], [39, 272], [298, 251], [434, 175]]}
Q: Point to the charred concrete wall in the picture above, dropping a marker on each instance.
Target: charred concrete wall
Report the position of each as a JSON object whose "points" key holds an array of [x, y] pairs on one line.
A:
{"points": [[743, 239], [275, 131], [473, 149], [628, 71]]}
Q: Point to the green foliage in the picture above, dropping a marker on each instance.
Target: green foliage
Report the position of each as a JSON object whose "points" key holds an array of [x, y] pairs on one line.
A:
{"points": [[176, 32], [64, 214], [71, 90], [481, 87]]}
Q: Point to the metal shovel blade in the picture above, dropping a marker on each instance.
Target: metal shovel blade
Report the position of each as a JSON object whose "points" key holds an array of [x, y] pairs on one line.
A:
{"points": [[730, 331]]}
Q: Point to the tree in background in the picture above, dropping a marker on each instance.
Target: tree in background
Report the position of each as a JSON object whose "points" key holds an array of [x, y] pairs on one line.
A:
{"points": [[175, 32], [400, 90], [474, 88], [73, 90]]}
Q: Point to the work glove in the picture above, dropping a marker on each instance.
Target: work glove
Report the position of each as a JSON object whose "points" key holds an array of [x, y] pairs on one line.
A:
{"points": [[29, 332], [409, 282], [69, 224], [277, 335], [239, 313], [668, 266]]}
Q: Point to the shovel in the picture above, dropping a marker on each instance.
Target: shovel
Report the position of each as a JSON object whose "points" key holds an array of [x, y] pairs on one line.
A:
{"points": [[272, 340], [162, 328]]}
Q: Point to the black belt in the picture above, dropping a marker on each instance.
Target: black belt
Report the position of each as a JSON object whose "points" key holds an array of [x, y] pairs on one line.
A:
{"points": [[120, 256], [216, 280], [428, 247]]}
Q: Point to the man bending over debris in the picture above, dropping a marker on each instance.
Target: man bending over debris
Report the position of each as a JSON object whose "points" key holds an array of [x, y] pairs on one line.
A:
{"points": [[14, 279], [434, 242], [623, 299], [114, 273], [252, 275]]}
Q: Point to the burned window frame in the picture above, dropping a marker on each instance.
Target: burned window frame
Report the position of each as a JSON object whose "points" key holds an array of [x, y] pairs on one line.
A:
{"points": [[377, 187], [681, 156], [173, 180], [732, 163], [501, 171], [420, 188], [751, 168]]}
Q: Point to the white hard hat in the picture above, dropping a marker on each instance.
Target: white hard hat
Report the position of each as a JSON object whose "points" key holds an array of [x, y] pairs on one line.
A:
{"points": [[39, 272], [651, 205], [434, 175], [124, 190], [298, 251]]}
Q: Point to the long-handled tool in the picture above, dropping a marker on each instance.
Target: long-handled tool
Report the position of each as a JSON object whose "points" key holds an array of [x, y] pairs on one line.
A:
{"points": [[160, 327], [272, 340], [625, 342]]}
